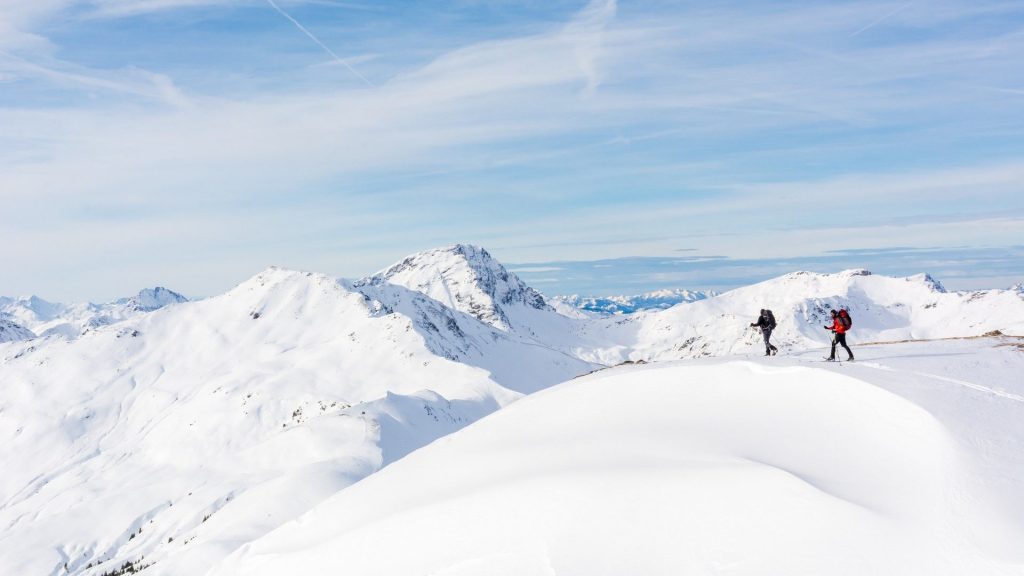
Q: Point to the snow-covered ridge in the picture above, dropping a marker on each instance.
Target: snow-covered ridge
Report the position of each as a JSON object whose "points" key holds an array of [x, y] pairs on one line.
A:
{"points": [[11, 331], [883, 308], [465, 278], [151, 299], [45, 318]]}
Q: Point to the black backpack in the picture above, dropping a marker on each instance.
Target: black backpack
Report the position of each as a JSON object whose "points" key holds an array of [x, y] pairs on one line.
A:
{"points": [[771, 319]]}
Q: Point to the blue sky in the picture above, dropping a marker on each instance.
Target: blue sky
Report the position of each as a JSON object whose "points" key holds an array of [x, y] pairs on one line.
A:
{"points": [[955, 267], [192, 143]]}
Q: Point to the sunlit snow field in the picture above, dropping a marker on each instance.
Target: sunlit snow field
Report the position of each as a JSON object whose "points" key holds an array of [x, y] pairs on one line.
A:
{"points": [[440, 417]]}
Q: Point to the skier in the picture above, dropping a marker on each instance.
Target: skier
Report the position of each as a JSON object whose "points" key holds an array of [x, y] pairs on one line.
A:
{"points": [[838, 329], [766, 322]]}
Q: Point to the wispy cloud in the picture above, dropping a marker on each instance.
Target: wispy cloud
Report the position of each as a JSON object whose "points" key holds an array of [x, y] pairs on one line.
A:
{"points": [[123, 8], [606, 129], [133, 81], [959, 268], [129, 8]]}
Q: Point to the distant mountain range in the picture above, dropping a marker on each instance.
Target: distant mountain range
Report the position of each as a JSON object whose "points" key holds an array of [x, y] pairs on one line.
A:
{"points": [[42, 318], [614, 305]]}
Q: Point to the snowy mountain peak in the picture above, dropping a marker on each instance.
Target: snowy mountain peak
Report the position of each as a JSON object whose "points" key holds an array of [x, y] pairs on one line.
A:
{"points": [[276, 286], [855, 276], [280, 294], [466, 278], [11, 331], [844, 274], [34, 305], [269, 276], [44, 319], [926, 279], [150, 299]]}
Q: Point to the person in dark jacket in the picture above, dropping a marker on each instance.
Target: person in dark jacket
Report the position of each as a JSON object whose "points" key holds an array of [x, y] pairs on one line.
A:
{"points": [[766, 322], [838, 337]]}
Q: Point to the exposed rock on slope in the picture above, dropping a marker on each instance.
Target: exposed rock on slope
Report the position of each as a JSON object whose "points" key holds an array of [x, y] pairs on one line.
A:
{"points": [[11, 331], [151, 299], [465, 278], [206, 424]]}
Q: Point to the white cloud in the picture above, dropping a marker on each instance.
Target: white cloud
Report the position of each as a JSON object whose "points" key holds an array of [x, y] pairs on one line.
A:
{"points": [[535, 269], [19, 17], [131, 81], [242, 146], [122, 8], [564, 99], [128, 8]]}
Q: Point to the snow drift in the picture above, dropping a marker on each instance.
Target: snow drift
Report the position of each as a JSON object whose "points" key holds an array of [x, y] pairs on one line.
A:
{"points": [[734, 467]]}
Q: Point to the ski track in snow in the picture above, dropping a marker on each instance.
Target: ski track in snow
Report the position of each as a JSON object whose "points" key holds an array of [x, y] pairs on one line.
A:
{"points": [[971, 385]]}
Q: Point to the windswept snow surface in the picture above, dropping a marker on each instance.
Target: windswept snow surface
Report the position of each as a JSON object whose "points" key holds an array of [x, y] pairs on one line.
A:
{"points": [[173, 438], [772, 466]]}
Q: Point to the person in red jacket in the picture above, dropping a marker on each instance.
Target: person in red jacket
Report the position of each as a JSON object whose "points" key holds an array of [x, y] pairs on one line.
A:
{"points": [[838, 336]]}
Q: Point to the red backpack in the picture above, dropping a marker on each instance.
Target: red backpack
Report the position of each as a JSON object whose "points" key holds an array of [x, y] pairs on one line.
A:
{"points": [[844, 319]]}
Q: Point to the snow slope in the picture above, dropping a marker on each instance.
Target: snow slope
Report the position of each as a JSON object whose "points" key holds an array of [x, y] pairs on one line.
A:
{"points": [[150, 299], [466, 278], [883, 308], [767, 466], [71, 320], [11, 331], [173, 438], [178, 435]]}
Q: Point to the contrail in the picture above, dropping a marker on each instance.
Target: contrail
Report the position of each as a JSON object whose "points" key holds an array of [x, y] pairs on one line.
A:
{"points": [[317, 40], [880, 20]]}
